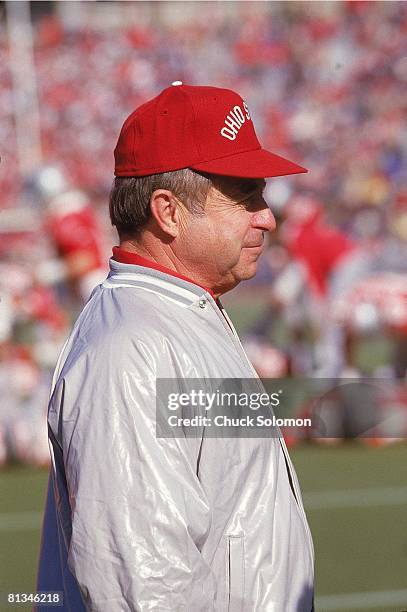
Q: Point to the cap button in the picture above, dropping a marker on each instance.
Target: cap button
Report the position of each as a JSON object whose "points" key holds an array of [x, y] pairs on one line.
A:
{"points": [[175, 83]]}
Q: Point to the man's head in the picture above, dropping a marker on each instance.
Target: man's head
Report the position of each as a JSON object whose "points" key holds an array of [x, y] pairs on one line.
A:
{"points": [[189, 180], [213, 226]]}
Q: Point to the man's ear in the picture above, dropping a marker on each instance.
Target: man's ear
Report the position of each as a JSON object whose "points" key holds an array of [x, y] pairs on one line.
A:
{"points": [[165, 210]]}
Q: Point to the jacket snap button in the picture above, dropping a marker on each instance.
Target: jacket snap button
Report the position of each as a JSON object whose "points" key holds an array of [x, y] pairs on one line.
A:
{"points": [[202, 303]]}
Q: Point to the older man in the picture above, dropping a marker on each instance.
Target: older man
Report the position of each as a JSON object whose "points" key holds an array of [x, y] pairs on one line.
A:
{"points": [[192, 524]]}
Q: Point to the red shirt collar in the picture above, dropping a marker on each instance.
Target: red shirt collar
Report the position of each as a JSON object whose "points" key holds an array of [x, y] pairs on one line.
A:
{"points": [[132, 258]]}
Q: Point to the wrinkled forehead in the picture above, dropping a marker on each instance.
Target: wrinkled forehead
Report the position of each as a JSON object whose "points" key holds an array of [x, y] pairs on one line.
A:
{"points": [[235, 187]]}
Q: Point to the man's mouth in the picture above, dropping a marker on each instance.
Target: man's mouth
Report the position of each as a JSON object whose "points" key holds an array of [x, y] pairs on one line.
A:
{"points": [[254, 246]]}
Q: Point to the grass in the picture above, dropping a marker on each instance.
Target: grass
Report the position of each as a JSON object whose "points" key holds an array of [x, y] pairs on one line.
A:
{"points": [[358, 549]]}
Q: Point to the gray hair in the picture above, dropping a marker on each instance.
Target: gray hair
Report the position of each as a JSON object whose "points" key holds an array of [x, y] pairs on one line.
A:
{"points": [[129, 203]]}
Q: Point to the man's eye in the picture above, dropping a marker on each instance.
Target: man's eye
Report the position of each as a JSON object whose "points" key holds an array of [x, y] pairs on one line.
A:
{"points": [[254, 198], [250, 202]]}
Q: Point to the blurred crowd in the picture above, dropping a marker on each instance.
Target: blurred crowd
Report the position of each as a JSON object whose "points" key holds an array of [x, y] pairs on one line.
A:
{"points": [[325, 87]]}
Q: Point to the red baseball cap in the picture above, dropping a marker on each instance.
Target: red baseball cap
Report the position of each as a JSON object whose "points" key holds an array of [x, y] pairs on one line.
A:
{"points": [[204, 128]]}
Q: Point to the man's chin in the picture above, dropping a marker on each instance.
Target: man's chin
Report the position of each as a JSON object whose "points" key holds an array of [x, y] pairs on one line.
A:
{"points": [[248, 271]]}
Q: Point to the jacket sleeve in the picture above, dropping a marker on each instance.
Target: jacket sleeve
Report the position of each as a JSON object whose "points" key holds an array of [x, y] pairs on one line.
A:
{"points": [[139, 514]]}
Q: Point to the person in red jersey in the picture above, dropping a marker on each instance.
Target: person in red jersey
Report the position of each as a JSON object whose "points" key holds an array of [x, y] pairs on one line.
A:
{"points": [[75, 232]]}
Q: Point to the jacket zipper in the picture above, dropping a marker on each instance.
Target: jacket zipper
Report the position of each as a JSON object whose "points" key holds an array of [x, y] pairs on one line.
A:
{"points": [[227, 323]]}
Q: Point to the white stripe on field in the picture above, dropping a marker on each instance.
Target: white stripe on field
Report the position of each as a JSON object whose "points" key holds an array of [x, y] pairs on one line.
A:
{"points": [[361, 601], [316, 500], [353, 498], [20, 521]]}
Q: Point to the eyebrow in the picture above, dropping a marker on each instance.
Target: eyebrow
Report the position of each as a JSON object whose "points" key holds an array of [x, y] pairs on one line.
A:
{"points": [[250, 186], [247, 187], [240, 189]]}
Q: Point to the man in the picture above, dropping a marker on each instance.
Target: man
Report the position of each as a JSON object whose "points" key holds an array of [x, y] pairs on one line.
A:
{"points": [[173, 523]]}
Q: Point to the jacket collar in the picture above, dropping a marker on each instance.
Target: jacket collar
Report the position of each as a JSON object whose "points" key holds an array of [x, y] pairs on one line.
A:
{"points": [[129, 257], [177, 289]]}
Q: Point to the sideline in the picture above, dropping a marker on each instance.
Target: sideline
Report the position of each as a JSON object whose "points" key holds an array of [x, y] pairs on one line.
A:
{"points": [[361, 601], [20, 521], [316, 500], [355, 498]]}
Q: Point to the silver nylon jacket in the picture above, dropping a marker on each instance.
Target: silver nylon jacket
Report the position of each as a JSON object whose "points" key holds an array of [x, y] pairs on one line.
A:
{"points": [[143, 523]]}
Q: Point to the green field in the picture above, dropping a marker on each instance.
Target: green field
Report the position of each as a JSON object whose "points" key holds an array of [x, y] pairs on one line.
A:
{"points": [[356, 501]]}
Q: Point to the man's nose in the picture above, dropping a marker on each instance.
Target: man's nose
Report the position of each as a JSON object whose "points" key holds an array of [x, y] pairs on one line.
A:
{"points": [[264, 219]]}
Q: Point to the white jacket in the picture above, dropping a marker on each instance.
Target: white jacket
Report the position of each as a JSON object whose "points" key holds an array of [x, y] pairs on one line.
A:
{"points": [[165, 524]]}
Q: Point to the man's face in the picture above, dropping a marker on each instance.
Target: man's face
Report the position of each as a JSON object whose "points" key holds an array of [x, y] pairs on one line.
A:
{"points": [[225, 243]]}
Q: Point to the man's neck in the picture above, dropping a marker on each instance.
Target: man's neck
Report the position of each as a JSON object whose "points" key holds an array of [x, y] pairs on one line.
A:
{"points": [[163, 259], [158, 255]]}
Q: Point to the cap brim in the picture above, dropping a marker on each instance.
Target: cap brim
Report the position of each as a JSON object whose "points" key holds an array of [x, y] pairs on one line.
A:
{"points": [[251, 164]]}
